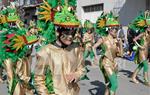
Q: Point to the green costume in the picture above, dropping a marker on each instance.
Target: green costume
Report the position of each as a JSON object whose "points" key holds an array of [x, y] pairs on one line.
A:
{"points": [[88, 39], [54, 15], [141, 25], [105, 24], [14, 47]]}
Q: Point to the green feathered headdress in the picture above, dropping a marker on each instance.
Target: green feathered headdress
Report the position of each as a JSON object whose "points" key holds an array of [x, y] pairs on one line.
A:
{"points": [[63, 17], [111, 20], [12, 15], [50, 15], [46, 14], [88, 24], [105, 21], [66, 18], [101, 25], [3, 18], [141, 22]]}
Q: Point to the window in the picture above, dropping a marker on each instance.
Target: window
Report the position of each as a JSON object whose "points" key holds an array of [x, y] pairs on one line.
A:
{"points": [[93, 8]]}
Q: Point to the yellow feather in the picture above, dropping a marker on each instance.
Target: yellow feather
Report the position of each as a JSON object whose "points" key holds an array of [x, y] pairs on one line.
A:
{"points": [[42, 18], [16, 45], [19, 42], [44, 13], [141, 23], [46, 8], [47, 19], [101, 23], [15, 40], [46, 3], [19, 47]]}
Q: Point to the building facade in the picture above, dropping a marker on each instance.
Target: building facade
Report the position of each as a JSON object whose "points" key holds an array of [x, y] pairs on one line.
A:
{"points": [[29, 8], [126, 9]]}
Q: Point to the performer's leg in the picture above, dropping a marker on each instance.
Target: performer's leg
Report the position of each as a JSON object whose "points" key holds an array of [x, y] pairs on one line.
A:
{"points": [[1, 71], [105, 76], [23, 71], [113, 82], [133, 77], [145, 69], [106, 91], [14, 86], [92, 58], [106, 82], [8, 66], [92, 54], [85, 54]]}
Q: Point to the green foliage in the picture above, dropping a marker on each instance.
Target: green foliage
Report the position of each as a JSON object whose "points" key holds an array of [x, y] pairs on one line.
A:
{"points": [[49, 81]]}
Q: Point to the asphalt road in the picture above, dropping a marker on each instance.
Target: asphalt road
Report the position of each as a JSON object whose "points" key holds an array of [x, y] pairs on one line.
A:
{"points": [[95, 86]]}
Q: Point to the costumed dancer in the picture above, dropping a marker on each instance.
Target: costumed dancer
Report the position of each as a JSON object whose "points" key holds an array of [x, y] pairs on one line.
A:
{"points": [[2, 28], [141, 26], [8, 57], [107, 27], [62, 58], [88, 39], [13, 49], [23, 65]]}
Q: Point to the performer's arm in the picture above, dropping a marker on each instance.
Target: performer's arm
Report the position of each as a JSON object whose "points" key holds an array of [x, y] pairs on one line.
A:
{"points": [[120, 48], [97, 44], [138, 37], [40, 73], [80, 69]]}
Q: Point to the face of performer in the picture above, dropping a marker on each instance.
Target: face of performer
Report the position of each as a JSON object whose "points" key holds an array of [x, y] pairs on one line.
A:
{"points": [[66, 36], [113, 31], [89, 31]]}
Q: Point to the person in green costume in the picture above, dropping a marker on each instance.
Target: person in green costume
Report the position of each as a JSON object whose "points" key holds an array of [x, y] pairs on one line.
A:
{"points": [[107, 27], [88, 40], [3, 20], [62, 58], [141, 24], [14, 47]]}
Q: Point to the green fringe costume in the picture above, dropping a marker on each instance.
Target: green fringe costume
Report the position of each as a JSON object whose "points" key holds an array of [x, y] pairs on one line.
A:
{"points": [[103, 24], [53, 14], [140, 25], [14, 46]]}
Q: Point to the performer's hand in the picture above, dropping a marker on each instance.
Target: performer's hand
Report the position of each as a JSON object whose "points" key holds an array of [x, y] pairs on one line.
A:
{"points": [[71, 77], [134, 40]]}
